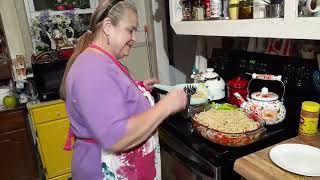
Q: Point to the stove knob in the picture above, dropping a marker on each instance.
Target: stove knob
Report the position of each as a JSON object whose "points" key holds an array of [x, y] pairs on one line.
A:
{"points": [[44, 97]]}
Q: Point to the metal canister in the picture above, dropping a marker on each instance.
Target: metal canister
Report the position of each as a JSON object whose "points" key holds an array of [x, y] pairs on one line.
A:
{"points": [[309, 118], [216, 8]]}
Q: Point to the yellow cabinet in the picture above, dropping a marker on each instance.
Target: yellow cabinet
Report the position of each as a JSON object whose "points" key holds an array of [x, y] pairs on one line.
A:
{"points": [[52, 136], [49, 113], [50, 124], [63, 177]]}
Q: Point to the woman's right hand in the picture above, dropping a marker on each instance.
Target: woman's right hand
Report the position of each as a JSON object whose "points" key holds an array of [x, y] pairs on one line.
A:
{"points": [[174, 101]]}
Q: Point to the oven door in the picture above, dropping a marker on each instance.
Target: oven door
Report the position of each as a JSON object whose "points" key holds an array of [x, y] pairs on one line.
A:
{"points": [[180, 162]]}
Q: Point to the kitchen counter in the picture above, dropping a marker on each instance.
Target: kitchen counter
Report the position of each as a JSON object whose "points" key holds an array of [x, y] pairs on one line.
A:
{"points": [[258, 165], [42, 104]]}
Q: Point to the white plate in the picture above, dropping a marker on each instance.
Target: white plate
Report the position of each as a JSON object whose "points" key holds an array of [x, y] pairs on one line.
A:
{"points": [[297, 158]]}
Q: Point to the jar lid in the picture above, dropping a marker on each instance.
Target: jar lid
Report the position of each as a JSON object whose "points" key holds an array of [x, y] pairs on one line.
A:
{"points": [[264, 95], [310, 106], [210, 74], [234, 1], [238, 82]]}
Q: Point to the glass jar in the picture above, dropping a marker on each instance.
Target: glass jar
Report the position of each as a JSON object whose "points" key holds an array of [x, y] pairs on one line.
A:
{"points": [[259, 11], [275, 11], [216, 8], [233, 9], [187, 10], [246, 9], [225, 9], [309, 118], [199, 12], [207, 8]]}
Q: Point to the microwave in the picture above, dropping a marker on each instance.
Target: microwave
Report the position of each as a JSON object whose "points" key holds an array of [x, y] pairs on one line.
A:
{"points": [[48, 76]]}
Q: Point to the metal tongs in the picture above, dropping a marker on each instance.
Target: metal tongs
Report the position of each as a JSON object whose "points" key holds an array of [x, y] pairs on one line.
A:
{"points": [[190, 90]]}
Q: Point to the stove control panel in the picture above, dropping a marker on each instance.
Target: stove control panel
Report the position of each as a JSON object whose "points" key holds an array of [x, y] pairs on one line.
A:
{"points": [[296, 73]]}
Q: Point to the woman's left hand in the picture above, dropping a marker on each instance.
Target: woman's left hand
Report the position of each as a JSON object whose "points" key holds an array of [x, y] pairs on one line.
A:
{"points": [[150, 82]]}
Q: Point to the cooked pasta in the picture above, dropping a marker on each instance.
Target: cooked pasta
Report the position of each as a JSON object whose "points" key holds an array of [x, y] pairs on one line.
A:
{"points": [[228, 121]]}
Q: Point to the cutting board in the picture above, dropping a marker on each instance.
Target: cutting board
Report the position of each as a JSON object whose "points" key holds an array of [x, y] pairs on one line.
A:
{"points": [[258, 165]]}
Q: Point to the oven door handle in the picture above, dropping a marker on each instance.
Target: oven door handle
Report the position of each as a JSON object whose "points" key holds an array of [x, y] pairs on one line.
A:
{"points": [[186, 155], [205, 169]]}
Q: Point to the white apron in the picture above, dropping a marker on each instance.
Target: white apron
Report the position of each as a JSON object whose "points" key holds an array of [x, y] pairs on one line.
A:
{"points": [[134, 164]]}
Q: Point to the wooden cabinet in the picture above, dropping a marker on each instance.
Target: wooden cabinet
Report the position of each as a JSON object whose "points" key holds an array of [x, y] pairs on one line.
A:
{"points": [[17, 157], [5, 73], [50, 125]]}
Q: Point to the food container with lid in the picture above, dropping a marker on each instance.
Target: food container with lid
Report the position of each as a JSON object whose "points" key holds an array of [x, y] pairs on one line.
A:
{"points": [[264, 103], [238, 85], [309, 117], [215, 85]]}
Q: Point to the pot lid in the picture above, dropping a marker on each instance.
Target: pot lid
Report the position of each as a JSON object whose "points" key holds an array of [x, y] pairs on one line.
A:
{"points": [[210, 74], [238, 82], [264, 95]]}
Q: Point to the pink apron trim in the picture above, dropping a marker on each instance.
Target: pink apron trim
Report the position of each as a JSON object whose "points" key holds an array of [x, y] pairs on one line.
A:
{"points": [[68, 144]]}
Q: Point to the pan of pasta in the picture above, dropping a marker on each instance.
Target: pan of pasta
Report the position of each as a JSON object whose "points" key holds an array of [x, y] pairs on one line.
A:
{"points": [[228, 127]]}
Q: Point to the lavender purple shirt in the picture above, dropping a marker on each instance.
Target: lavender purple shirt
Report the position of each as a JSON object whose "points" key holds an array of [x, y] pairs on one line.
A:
{"points": [[100, 100]]}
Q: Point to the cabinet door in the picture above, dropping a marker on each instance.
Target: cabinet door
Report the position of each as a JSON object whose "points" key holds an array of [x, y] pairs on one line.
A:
{"points": [[17, 158], [63, 177], [52, 136]]}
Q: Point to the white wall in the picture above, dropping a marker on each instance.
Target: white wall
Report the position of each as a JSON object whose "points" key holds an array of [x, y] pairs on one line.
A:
{"points": [[161, 40], [12, 28]]}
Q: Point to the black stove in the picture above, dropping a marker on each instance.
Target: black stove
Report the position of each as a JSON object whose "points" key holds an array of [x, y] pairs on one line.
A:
{"points": [[201, 159], [217, 154]]}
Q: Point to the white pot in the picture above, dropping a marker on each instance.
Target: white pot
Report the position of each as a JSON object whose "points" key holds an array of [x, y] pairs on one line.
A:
{"points": [[215, 84], [3, 92], [216, 89]]}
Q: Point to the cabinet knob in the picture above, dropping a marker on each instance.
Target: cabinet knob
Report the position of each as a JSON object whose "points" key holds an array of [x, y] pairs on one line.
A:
{"points": [[58, 113]]}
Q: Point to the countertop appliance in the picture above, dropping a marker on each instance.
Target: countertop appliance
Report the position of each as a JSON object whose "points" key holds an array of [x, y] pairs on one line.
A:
{"points": [[187, 155]]}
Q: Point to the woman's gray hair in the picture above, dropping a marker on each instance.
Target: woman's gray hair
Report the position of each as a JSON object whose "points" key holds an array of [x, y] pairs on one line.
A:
{"points": [[115, 12]]}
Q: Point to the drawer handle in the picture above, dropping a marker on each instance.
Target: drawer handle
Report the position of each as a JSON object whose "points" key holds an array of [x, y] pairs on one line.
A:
{"points": [[58, 113]]}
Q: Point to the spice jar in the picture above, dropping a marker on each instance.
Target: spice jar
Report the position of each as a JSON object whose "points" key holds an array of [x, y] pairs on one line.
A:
{"points": [[207, 8], [187, 10], [199, 11], [245, 9], [225, 9], [309, 118], [233, 9], [216, 8]]}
